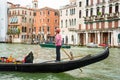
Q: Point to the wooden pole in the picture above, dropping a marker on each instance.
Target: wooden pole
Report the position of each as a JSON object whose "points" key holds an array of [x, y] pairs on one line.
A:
{"points": [[70, 57]]}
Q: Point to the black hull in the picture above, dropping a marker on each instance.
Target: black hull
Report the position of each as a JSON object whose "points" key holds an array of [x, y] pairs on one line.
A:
{"points": [[55, 66]]}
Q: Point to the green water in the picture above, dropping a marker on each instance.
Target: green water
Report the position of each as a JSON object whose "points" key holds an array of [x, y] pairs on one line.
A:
{"points": [[107, 69]]}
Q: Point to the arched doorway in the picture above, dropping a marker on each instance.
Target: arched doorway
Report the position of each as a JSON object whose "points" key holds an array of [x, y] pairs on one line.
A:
{"points": [[72, 38], [66, 40], [119, 38]]}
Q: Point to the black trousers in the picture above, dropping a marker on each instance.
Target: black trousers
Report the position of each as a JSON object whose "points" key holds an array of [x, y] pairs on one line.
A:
{"points": [[58, 53]]}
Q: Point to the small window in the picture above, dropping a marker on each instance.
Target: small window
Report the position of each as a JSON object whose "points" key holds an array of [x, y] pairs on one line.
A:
{"points": [[116, 7], [110, 8], [72, 37], [34, 14], [48, 12], [79, 4]]}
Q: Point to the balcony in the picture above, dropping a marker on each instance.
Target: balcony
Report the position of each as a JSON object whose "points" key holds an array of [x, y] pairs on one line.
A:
{"points": [[100, 3], [102, 17], [97, 17], [116, 15], [110, 15], [112, 1], [86, 18], [89, 5], [72, 29], [91, 18]]}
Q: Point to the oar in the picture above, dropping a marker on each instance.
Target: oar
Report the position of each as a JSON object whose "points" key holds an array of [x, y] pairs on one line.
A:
{"points": [[67, 54], [70, 57]]}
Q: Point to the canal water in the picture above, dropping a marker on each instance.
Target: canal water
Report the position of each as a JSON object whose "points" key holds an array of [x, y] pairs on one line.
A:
{"points": [[107, 69]]}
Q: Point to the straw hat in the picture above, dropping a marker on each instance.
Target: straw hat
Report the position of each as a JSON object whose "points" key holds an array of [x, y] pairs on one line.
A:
{"points": [[57, 30]]}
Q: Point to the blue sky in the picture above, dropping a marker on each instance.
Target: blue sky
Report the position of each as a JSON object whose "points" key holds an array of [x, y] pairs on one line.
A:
{"points": [[42, 3]]}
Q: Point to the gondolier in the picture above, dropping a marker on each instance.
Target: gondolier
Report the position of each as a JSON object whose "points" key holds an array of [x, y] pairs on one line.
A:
{"points": [[58, 43]]}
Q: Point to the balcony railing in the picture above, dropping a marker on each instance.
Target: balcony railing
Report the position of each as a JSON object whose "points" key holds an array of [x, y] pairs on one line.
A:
{"points": [[91, 18], [72, 29], [111, 1], [110, 15], [100, 3], [116, 14], [97, 17], [89, 5], [105, 17], [102, 17]]}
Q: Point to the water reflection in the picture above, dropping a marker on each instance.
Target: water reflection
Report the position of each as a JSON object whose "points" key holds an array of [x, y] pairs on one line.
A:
{"points": [[38, 76], [107, 69]]}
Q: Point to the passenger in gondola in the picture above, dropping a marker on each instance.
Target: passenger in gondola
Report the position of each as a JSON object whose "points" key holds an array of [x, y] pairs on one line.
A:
{"points": [[29, 58], [10, 59]]}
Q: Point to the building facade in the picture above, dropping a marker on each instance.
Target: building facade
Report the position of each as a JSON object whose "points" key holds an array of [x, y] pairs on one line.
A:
{"points": [[31, 25], [102, 20], [20, 23], [97, 21], [69, 22], [3, 20], [81, 22], [46, 21]]}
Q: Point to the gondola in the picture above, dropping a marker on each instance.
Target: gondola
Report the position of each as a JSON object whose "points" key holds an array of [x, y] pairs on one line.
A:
{"points": [[92, 45], [55, 67], [50, 45]]}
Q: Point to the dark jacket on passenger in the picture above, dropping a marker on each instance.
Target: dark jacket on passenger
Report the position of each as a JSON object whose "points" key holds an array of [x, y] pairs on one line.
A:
{"points": [[29, 58]]}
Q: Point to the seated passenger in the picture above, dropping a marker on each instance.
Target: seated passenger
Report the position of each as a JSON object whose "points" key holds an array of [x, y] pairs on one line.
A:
{"points": [[10, 59], [29, 58]]}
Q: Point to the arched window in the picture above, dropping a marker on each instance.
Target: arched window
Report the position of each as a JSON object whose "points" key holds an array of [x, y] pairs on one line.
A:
{"points": [[103, 10], [66, 12], [61, 23], [119, 37], [91, 11], [66, 23], [87, 2], [98, 9], [74, 11], [72, 38], [70, 12], [74, 21], [116, 7], [86, 12], [60, 13], [70, 22], [110, 8], [80, 14], [66, 39]]}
